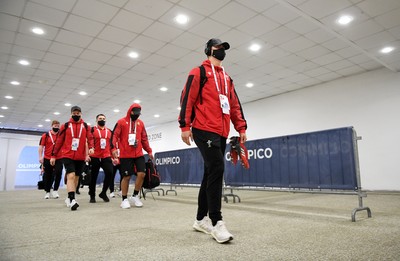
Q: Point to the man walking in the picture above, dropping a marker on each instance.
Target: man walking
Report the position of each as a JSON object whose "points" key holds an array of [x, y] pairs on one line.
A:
{"points": [[72, 145], [131, 136], [208, 103], [100, 157]]}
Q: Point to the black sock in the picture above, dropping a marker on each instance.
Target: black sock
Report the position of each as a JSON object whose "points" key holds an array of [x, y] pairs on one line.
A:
{"points": [[124, 197], [135, 192], [71, 196]]}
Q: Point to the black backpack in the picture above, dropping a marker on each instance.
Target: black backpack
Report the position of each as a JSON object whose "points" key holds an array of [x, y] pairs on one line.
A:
{"points": [[152, 178]]}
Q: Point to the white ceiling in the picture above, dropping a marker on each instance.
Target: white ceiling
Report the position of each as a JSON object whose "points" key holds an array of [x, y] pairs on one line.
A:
{"points": [[86, 44]]}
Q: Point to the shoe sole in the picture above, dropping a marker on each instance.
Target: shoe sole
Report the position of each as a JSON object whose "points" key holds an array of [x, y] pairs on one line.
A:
{"points": [[222, 241], [75, 206], [199, 229], [104, 199]]}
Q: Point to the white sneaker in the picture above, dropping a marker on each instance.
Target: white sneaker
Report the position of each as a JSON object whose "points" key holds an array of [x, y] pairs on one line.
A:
{"points": [[54, 194], [136, 200], [203, 225], [67, 202], [112, 195], [220, 233], [47, 196], [125, 204], [74, 205]]}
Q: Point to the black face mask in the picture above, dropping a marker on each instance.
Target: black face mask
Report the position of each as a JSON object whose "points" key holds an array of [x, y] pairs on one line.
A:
{"points": [[56, 129], [101, 123], [219, 54], [134, 116], [76, 117]]}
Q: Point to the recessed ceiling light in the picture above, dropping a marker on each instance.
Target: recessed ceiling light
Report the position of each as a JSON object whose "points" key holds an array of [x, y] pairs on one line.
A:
{"points": [[38, 30], [40, 125], [249, 84], [345, 19], [15, 83], [82, 93], [156, 115], [47, 120], [255, 47], [179, 108], [133, 55], [136, 101], [24, 62], [116, 110], [1, 116], [56, 113], [163, 89], [181, 19], [8, 97], [4, 107], [67, 104], [387, 49]]}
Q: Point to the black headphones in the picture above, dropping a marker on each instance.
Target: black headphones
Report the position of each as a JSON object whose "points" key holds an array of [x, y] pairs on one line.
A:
{"points": [[207, 50]]}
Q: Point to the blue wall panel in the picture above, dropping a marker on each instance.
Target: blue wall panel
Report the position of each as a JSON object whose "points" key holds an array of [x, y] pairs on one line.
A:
{"points": [[323, 159]]}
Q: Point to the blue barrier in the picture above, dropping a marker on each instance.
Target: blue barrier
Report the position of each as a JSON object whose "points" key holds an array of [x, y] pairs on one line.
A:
{"points": [[317, 161]]}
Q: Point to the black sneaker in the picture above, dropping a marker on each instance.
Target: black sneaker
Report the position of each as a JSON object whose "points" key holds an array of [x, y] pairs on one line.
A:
{"points": [[104, 197], [92, 199]]}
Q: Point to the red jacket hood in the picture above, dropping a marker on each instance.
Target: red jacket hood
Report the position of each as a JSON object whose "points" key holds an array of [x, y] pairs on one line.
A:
{"points": [[128, 113]]}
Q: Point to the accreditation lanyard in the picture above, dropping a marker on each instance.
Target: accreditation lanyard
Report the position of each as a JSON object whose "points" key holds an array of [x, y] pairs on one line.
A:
{"points": [[75, 141], [51, 137], [72, 131], [216, 82], [130, 127], [132, 136], [100, 132], [223, 98], [103, 141]]}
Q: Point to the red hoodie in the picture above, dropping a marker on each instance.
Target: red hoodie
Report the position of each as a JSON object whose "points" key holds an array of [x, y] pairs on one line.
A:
{"points": [[123, 128], [207, 114], [63, 146]]}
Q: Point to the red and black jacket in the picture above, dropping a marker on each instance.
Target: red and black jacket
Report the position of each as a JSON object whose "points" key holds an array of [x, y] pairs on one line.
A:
{"points": [[63, 148], [201, 108], [123, 128], [97, 135], [48, 141]]}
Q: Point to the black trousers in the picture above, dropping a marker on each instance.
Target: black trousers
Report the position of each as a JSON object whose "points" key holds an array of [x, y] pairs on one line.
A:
{"points": [[115, 169], [107, 166], [212, 148], [52, 174]]}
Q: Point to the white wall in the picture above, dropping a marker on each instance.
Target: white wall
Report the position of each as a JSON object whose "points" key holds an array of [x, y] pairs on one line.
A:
{"points": [[370, 102], [11, 146]]}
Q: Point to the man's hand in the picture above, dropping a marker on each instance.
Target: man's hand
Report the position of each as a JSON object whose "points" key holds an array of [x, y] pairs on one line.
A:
{"points": [[187, 136], [91, 151], [151, 156], [115, 154], [52, 161], [87, 158], [243, 137]]}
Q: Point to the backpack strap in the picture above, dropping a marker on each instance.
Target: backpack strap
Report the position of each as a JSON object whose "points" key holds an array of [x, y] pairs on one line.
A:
{"points": [[203, 80]]}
